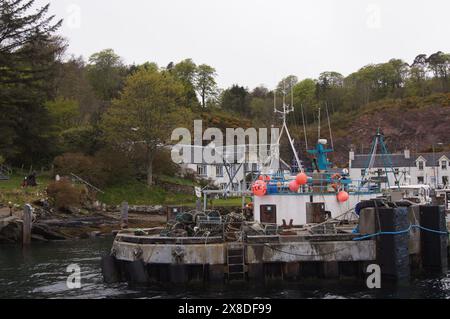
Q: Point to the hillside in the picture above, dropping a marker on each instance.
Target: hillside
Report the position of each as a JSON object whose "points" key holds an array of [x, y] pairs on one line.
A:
{"points": [[415, 123]]}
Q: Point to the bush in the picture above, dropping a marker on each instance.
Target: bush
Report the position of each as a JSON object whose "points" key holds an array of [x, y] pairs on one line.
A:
{"points": [[163, 164], [107, 167], [115, 166], [64, 195], [81, 165]]}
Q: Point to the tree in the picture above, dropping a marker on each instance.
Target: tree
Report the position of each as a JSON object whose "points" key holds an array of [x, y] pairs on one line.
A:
{"points": [[185, 72], [65, 113], [29, 58], [73, 84], [286, 84], [305, 95], [439, 64], [417, 78], [205, 83], [330, 89], [236, 99], [144, 114], [106, 73]]}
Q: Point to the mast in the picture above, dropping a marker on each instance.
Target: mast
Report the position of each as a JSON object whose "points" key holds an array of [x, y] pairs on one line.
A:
{"points": [[287, 109]]}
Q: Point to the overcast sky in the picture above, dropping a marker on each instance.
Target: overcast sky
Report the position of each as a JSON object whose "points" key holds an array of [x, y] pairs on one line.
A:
{"points": [[252, 42]]}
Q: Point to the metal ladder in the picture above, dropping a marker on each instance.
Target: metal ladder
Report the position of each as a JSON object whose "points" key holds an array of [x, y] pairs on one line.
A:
{"points": [[236, 262]]}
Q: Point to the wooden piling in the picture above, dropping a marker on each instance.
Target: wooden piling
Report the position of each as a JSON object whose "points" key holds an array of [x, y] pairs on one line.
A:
{"points": [[27, 224], [393, 250], [124, 215], [433, 244]]}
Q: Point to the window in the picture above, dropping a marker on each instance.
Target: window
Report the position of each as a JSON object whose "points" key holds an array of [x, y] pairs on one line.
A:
{"points": [[233, 170], [202, 170], [445, 180], [444, 165], [420, 166], [363, 172], [219, 171], [396, 171], [254, 167], [420, 180]]}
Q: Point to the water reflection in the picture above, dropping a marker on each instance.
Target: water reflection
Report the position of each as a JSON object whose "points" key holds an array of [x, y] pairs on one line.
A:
{"points": [[40, 272]]}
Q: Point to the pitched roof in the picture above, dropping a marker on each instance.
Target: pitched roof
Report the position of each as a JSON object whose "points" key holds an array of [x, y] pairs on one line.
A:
{"points": [[398, 160]]}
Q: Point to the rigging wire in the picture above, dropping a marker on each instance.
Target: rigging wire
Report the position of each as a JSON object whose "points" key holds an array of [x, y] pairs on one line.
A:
{"points": [[329, 126], [304, 127]]}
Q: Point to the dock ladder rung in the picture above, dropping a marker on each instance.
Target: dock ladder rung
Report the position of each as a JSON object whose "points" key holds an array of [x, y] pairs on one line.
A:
{"points": [[236, 262]]}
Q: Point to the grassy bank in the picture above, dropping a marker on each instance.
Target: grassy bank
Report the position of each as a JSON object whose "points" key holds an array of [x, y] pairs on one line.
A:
{"points": [[11, 190], [134, 192]]}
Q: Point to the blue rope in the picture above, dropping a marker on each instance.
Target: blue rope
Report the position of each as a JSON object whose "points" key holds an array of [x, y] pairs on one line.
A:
{"points": [[400, 232]]}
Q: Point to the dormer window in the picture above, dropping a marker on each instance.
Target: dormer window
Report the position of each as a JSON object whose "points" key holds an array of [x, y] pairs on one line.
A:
{"points": [[444, 165], [421, 165]]}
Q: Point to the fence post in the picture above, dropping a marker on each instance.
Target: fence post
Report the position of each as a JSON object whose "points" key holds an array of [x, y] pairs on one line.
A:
{"points": [[124, 215], [27, 224]]}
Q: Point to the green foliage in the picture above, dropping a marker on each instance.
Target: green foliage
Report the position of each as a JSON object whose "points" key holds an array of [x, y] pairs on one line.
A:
{"points": [[136, 193], [79, 139], [205, 83], [65, 113], [145, 114], [236, 99], [28, 64], [186, 72], [106, 73]]}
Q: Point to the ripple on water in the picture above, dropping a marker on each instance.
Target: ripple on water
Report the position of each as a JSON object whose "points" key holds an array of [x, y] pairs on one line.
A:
{"points": [[40, 272]]}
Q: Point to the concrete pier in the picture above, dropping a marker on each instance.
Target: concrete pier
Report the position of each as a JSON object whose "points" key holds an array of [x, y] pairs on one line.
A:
{"points": [[393, 243]]}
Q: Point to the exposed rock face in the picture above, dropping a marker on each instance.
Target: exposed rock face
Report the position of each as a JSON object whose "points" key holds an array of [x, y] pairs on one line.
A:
{"points": [[11, 233], [417, 129]]}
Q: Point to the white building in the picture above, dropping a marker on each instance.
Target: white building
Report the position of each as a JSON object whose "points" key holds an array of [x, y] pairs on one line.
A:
{"points": [[229, 174], [420, 168], [218, 174]]}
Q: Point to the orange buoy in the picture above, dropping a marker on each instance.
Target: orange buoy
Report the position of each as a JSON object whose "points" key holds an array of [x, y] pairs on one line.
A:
{"points": [[294, 186], [302, 179], [343, 196], [259, 188]]}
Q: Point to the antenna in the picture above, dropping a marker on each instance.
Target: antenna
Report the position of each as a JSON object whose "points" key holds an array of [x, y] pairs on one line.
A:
{"points": [[286, 109], [329, 126], [275, 100], [304, 127], [318, 137]]}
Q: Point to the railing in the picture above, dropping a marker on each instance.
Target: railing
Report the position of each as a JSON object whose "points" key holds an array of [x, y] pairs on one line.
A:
{"points": [[5, 172], [87, 183]]}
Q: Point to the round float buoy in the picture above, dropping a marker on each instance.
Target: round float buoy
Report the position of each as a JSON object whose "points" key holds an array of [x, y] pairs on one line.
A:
{"points": [[259, 188], [343, 196], [294, 186], [302, 179]]}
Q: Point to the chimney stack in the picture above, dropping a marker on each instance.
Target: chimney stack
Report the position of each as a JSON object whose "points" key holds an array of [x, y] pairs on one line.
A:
{"points": [[407, 153]]}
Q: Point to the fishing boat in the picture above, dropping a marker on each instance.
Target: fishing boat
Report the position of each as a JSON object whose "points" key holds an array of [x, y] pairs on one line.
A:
{"points": [[314, 194]]}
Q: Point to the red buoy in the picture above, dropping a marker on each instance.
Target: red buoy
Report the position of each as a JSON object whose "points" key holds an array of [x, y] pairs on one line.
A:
{"points": [[302, 179], [343, 196], [294, 186], [259, 188]]}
